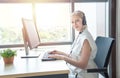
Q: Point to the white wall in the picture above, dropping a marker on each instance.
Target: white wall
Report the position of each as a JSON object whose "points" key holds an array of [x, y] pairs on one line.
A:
{"points": [[118, 40]]}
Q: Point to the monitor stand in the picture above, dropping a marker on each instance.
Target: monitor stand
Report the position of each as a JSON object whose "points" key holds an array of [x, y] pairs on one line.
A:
{"points": [[30, 54]]}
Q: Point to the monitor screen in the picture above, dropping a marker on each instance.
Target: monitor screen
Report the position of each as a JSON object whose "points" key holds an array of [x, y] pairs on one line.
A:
{"points": [[30, 34]]}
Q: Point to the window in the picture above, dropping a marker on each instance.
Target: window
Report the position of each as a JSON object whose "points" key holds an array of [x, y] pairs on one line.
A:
{"points": [[53, 21], [10, 22]]}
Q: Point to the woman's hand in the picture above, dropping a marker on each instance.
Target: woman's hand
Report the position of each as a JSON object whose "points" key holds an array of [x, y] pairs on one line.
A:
{"points": [[57, 56], [57, 52]]}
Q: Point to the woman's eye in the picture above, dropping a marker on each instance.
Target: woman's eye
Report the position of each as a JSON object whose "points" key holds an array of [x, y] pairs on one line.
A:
{"points": [[77, 20]]}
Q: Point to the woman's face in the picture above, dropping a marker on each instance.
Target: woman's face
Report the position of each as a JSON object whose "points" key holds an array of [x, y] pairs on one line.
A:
{"points": [[77, 23]]}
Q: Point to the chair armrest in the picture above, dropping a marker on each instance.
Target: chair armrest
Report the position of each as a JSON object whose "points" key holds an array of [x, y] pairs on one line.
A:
{"points": [[97, 70]]}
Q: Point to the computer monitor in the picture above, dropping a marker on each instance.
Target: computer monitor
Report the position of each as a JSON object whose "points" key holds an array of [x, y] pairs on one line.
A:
{"points": [[30, 36]]}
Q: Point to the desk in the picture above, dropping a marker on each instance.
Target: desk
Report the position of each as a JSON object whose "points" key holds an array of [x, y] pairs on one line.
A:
{"points": [[30, 67]]}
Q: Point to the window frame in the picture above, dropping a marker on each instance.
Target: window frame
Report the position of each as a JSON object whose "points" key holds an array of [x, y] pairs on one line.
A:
{"points": [[21, 1]]}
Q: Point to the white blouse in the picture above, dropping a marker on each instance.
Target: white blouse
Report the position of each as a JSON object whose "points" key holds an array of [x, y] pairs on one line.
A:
{"points": [[76, 51]]}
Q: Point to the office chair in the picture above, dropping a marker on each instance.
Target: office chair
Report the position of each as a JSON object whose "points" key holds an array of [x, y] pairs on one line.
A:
{"points": [[104, 47]]}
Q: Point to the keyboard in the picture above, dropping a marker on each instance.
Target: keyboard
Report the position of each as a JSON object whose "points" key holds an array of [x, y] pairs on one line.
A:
{"points": [[46, 58]]}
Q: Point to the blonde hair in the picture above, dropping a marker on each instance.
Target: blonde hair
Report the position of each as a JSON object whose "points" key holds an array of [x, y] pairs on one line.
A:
{"points": [[79, 14]]}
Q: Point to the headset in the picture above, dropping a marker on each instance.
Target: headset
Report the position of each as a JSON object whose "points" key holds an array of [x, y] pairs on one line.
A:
{"points": [[84, 22]]}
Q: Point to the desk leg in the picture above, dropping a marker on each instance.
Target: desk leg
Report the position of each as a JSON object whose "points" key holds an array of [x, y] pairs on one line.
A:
{"points": [[50, 76]]}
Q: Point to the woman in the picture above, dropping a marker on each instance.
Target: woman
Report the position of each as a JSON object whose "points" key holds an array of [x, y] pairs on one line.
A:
{"points": [[82, 52]]}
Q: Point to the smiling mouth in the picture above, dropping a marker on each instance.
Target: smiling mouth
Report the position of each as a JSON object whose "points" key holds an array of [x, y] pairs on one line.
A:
{"points": [[76, 27]]}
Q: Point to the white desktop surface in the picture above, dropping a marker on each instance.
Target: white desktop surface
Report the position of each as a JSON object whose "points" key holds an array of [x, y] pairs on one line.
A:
{"points": [[23, 67]]}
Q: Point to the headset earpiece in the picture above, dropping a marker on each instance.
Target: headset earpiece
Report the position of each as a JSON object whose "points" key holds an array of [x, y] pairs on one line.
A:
{"points": [[84, 20]]}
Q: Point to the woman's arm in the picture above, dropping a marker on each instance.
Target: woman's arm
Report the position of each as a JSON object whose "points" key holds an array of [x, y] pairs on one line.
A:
{"points": [[84, 56]]}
